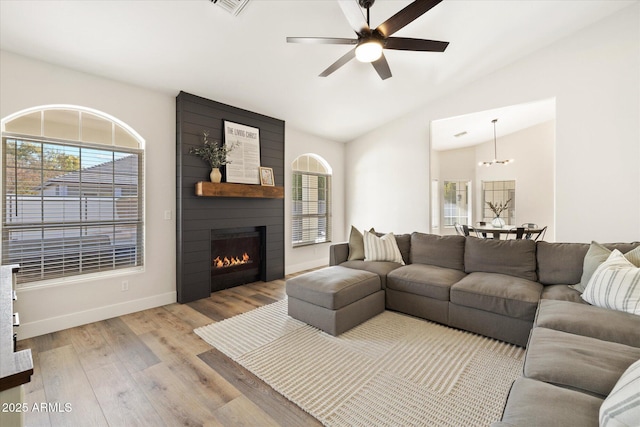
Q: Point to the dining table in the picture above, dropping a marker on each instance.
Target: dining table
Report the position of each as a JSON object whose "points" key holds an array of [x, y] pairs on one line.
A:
{"points": [[497, 232]]}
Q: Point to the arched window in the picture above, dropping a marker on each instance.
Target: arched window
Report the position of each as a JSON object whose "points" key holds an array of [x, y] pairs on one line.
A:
{"points": [[72, 188], [311, 200]]}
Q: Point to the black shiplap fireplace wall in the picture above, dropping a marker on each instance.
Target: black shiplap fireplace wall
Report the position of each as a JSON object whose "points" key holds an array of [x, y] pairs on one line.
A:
{"points": [[197, 216]]}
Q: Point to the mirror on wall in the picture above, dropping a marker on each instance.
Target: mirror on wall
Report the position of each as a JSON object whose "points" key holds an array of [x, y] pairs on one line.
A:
{"points": [[461, 147], [499, 193]]}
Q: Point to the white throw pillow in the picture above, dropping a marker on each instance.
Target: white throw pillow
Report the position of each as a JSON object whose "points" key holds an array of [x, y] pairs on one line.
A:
{"points": [[615, 285], [383, 248], [622, 406]]}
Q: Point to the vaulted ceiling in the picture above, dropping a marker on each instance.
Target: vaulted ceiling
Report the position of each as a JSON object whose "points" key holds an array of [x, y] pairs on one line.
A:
{"points": [[244, 60]]}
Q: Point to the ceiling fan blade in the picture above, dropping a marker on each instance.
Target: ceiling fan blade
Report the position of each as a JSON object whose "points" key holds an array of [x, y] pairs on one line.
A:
{"points": [[382, 67], [339, 63], [354, 15], [321, 40], [406, 16], [403, 43]]}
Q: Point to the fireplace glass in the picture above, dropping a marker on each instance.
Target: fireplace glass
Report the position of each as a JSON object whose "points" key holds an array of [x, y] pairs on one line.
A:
{"points": [[236, 256]]}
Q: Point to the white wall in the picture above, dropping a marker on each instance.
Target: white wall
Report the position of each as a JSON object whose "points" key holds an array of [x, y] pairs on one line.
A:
{"points": [[387, 177], [27, 83], [594, 76], [297, 143]]}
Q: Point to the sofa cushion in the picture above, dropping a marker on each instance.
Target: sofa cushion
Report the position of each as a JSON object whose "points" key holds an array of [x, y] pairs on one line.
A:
{"points": [[622, 406], [426, 280], [590, 321], [615, 285], [560, 263], [441, 251], [563, 293], [535, 403], [498, 293], [381, 268], [382, 248], [512, 257], [333, 287], [577, 362], [597, 254]]}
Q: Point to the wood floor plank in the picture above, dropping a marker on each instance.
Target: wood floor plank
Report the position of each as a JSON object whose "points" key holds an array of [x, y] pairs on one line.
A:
{"points": [[242, 412], [277, 406], [169, 321], [177, 355], [207, 308], [255, 296], [91, 347], [230, 304], [192, 317], [140, 322], [50, 341], [70, 400], [129, 349], [171, 398], [122, 401]]}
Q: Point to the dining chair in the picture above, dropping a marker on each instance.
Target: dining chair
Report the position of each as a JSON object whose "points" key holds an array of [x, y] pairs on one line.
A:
{"points": [[529, 225], [482, 234], [516, 232], [536, 235], [461, 229]]}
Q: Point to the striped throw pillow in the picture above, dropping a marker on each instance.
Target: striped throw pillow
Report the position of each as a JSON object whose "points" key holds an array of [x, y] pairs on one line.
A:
{"points": [[622, 406], [383, 248], [615, 285], [596, 255]]}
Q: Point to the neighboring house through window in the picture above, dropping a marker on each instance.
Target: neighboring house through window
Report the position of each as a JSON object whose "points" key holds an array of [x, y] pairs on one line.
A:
{"points": [[311, 200], [72, 186]]}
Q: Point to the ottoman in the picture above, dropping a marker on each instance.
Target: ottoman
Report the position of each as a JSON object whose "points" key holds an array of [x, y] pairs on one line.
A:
{"points": [[335, 299]]}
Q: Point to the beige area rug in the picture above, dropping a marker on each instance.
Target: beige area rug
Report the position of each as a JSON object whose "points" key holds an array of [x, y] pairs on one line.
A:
{"points": [[393, 370]]}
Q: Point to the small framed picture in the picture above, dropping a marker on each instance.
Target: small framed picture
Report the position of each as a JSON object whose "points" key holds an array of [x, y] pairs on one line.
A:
{"points": [[266, 176]]}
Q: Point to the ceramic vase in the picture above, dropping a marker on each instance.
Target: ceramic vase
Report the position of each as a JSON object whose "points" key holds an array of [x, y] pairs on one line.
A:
{"points": [[215, 175]]}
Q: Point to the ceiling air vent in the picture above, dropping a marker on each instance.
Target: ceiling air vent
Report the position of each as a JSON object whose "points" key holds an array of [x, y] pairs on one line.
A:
{"points": [[234, 7]]}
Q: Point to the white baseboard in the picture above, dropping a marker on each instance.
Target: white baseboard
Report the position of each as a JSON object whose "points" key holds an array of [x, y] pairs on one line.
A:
{"points": [[53, 324]]}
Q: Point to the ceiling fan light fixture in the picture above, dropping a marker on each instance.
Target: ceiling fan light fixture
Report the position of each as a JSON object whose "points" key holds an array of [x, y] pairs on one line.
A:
{"points": [[369, 51]]}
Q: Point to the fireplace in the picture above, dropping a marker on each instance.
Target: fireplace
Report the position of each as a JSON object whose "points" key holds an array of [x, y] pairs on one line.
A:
{"points": [[236, 256]]}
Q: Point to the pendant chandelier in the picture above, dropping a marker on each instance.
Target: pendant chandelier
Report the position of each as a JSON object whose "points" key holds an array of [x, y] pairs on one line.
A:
{"points": [[495, 160]]}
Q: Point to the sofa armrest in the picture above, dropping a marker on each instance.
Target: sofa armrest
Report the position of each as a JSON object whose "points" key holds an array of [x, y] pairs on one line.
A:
{"points": [[338, 253]]}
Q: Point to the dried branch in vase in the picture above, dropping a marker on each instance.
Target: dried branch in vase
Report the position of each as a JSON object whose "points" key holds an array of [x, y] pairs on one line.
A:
{"points": [[498, 208]]}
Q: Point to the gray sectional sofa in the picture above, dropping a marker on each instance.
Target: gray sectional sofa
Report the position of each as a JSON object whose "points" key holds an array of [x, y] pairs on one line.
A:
{"points": [[517, 291]]}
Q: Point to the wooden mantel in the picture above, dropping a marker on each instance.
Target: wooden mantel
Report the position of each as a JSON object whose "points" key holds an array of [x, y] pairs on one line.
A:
{"points": [[225, 189]]}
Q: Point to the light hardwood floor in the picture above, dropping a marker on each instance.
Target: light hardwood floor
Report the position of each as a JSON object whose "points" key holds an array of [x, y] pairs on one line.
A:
{"points": [[150, 369]]}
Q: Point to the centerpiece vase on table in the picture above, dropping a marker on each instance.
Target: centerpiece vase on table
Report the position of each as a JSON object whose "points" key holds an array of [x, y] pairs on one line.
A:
{"points": [[497, 209]]}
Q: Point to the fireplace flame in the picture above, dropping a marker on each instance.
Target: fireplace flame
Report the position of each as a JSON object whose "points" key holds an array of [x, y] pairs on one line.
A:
{"points": [[230, 262]]}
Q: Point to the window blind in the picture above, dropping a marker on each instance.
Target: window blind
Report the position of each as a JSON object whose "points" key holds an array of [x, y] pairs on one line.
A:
{"points": [[311, 208], [71, 208]]}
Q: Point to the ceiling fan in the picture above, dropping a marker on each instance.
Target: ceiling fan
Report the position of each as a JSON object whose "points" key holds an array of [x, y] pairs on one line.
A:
{"points": [[370, 43]]}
